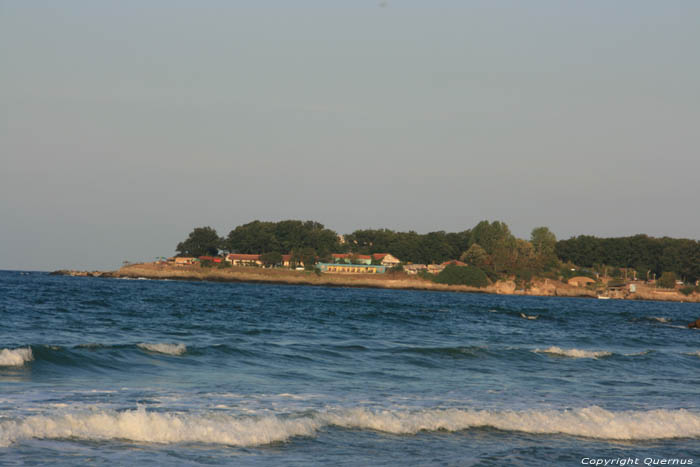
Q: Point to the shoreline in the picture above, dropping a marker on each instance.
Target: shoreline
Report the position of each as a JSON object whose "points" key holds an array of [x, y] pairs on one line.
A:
{"points": [[398, 281]]}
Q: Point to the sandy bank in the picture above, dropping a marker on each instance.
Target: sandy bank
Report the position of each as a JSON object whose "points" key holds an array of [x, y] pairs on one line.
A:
{"points": [[539, 287]]}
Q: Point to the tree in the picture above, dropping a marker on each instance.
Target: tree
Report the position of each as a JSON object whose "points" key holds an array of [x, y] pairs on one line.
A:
{"points": [[202, 241], [667, 280], [544, 242], [475, 256], [271, 259]]}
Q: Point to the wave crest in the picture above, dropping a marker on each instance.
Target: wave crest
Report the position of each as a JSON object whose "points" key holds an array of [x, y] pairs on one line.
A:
{"points": [[169, 349], [16, 357], [216, 428], [574, 353]]}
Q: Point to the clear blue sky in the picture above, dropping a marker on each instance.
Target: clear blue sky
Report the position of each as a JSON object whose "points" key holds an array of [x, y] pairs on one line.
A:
{"points": [[123, 125]]}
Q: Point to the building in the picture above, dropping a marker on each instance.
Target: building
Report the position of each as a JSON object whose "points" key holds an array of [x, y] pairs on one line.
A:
{"points": [[454, 262], [580, 281], [351, 257], [335, 268], [243, 260], [183, 260], [414, 268], [386, 259]]}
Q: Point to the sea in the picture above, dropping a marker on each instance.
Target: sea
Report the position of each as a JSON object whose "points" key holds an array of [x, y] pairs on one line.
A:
{"points": [[152, 372]]}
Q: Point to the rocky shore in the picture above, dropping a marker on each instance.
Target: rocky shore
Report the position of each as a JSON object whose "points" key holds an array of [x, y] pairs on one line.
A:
{"points": [[539, 287]]}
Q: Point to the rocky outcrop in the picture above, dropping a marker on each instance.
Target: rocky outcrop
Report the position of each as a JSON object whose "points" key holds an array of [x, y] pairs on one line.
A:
{"points": [[74, 273], [695, 324]]}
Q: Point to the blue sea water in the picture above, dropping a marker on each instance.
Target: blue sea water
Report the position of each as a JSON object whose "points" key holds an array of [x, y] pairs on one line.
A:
{"points": [[131, 372]]}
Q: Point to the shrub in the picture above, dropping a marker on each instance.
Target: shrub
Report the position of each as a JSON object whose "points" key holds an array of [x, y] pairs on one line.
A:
{"points": [[687, 290], [667, 280], [462, 275]]}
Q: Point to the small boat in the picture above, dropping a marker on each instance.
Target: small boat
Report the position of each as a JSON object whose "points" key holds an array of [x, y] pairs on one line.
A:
{"points": [[603, 297]]}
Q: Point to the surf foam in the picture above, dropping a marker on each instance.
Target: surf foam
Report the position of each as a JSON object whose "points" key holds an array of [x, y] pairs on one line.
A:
{"points": [[16, 357], [169, 349], [215, 428], [573, 353]]}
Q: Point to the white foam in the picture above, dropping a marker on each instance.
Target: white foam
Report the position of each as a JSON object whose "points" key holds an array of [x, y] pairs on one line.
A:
{"points": [[573, 353], [218, 428], [16, 357], [660, 319], [696, 353], [169, 349]]}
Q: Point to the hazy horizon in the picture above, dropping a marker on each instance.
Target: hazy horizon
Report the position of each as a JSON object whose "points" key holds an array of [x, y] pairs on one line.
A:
{"points": [[127, 125]]}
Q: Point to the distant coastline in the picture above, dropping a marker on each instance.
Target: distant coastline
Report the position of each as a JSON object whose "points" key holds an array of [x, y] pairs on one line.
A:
{"points": [[540, 286]]}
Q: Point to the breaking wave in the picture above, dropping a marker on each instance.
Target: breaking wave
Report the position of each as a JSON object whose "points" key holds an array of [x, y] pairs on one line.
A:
{"points": [[573, 353], [153, 427], [169, 349], [16, 357]]}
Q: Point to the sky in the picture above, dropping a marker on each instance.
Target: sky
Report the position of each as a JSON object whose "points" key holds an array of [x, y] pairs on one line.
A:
{"points": [[124, 125]]}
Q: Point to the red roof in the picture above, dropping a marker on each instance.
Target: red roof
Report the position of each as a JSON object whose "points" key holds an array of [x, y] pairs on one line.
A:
{"points": [[215, 259], [340, 255], [286, 258], [379, 255], [455, 262], [243, 257], [363, 257]]}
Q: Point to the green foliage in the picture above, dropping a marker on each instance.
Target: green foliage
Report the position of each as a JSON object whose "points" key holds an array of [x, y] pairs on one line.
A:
{"points": [[616, 273], [462, 275], [667, 280], [257, 236], [397, 268], [544, 242], [202, 241], [207, 263], [476, 256], [641, 252], [271, 259], [433, 247], [687, 290], [223, 265]]}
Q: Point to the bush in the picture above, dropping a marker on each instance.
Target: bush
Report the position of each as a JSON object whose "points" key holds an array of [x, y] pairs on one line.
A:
{"points": [[667, 280], [462, 275], [687, 290], [206, 263]]}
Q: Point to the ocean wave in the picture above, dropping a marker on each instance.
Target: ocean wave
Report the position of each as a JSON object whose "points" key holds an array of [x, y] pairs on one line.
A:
{"points": [[696, 353], [16, 357], [573, 353], [215, 428], [660, 319], [169, 349]]}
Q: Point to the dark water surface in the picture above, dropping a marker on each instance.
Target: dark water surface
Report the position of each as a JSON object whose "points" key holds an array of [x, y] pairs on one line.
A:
{"points": [[129, 372]]}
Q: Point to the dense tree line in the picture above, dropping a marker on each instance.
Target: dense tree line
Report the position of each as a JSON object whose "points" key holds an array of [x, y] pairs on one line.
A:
{"points": [[643, 253], [489, 246]]}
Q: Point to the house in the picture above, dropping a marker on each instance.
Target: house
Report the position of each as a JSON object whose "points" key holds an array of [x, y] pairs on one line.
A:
{"points": [[184, 260], [237, 259], [351, 257], [386, 259], [580, 281], [336, 268], [435, 268], [414, 268], [454, 262]]}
